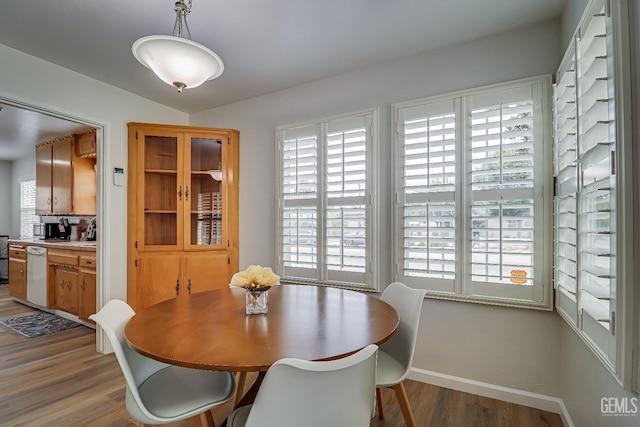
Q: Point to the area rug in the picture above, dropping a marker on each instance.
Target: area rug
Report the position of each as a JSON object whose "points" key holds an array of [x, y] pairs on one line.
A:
{"points": [[39, 324]]}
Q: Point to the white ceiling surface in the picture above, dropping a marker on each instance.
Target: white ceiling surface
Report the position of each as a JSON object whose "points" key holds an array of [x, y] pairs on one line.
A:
{"points": [[21, 129], [265, 45]]}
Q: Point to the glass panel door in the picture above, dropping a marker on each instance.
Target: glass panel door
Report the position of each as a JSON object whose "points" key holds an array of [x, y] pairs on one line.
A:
{"points": [[162, 190], [205, 193]]}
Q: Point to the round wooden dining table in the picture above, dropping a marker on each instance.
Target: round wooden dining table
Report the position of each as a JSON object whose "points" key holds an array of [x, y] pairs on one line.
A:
{"points": [[210, 330]]}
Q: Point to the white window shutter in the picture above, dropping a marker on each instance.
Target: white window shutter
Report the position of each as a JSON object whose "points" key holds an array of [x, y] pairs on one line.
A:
{"points": [[325, 200], [470, 215], [596, 199], [428, 192], [502, 192], [566, 181], [346, 185], [299, 201]]}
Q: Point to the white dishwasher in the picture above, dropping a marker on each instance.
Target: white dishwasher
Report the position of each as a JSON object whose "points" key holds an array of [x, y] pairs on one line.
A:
{"points": [[37, 275]]}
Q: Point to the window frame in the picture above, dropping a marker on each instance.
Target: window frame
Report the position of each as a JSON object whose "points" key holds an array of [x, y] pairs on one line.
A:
{"points": [[464, 289], [322, 274], [31, 211], [620, 360]]}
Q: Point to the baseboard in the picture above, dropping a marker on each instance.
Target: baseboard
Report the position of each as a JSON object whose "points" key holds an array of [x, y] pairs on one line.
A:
{"points": [[511, 395]]}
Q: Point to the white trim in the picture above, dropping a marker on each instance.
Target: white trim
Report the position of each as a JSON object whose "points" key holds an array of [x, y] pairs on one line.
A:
{"points": [[493, 391], [103, 274]]}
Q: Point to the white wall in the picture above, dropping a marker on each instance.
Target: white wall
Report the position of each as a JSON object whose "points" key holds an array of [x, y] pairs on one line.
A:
{"points": [[5, 197], [584, 381], [510, 347], [36, 82], [570, 18], [23, 169]]}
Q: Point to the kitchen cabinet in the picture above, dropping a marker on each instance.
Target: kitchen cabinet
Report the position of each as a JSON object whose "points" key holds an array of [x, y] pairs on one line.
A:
{"points": [[66, 289], [182, 210], [18, 272], [85, 144], [65, 183], [87, 287], [72, 282]]}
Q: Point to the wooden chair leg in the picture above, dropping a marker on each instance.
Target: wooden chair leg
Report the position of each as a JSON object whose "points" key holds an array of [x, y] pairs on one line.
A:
{"points": [[403, 401], [242, 377], [380, 409], [206, 419]]}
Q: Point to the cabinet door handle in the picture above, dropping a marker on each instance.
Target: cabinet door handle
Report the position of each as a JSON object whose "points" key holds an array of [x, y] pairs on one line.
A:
{"points": [[189, 287], [55, 201], [22, 272], [62, 284], [186, 194], [82, 285], [177, 287], [48, 201], [69, 285], [180, 193]]}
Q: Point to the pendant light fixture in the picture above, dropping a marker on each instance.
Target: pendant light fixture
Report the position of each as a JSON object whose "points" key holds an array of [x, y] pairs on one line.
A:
{"points": [[178, 61]]}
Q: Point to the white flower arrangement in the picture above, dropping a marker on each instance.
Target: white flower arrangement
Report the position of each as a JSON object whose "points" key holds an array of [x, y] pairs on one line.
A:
{"points": [[255, 277]]}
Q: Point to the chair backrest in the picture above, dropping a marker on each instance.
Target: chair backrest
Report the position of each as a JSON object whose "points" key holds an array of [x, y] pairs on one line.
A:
{"points": [[408, 303], [338, 393], [136, 368]]}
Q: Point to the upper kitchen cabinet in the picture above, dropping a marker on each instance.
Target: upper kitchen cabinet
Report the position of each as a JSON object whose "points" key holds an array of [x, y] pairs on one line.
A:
{"points": [[85, 144], [65, 182], [183, 203]]}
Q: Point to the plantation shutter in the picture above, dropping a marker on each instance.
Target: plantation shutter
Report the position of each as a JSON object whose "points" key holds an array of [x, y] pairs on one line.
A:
{"points": [[596, 200], [346, 207], [506, 206], [325, 202], [299, 201], [428, 210], [470, 217], [566, 198]]}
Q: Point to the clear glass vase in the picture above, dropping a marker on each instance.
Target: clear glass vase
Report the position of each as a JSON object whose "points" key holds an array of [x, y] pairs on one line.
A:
{"points": [[257, 300]]}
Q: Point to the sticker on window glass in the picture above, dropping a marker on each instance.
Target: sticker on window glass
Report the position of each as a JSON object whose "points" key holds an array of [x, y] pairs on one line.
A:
{"points": [[519, 277]]}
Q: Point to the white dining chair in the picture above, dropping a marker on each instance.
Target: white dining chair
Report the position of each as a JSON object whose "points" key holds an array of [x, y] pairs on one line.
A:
{"points": [[157, 393], [396, 355], [301, 393]]}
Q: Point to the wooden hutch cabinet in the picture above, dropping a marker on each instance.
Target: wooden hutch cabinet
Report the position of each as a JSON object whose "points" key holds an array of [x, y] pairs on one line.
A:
{"points": [[182, 211]]}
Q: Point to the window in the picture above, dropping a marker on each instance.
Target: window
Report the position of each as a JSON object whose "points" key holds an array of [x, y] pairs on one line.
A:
{"points": [[471, 217], [325, 201], [591, 169], [27, 208]]}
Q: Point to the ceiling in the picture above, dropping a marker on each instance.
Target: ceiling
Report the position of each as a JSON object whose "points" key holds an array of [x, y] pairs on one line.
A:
{"points": [[266, 46]]}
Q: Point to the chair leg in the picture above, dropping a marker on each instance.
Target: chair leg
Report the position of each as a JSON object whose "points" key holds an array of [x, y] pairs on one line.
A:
{"points": [[380, 408], [403, 401], [204, 419], [242, 377]]}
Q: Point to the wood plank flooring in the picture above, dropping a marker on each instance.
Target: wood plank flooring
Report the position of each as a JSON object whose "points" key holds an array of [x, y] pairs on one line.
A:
{"points": [[60, 380]]}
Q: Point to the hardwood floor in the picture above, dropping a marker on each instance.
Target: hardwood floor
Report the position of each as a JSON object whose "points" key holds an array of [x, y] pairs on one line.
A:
{"points": [[60, 380]]}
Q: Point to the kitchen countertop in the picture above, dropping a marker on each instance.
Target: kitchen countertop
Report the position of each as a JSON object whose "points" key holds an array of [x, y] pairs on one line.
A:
{"points": [[76, 245]]}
